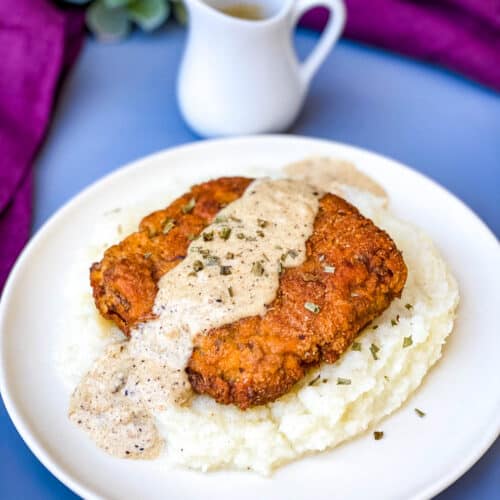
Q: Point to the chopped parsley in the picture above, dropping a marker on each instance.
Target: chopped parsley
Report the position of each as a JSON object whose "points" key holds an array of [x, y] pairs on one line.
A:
{"points": [[343, 381], [230, 291], [409, 306], [212, 260], [188, 207], [374, 349], [257, 269], [312, 307], [378, 435], [168, 225], [315, 380], [262, 223], [420, 413], [208, 236], [225, 232], [407, 341], [395, 321], [197, 266], [356, 346], [225, 270]]}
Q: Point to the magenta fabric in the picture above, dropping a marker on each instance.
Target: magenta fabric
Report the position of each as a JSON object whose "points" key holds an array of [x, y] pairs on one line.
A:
{"points": [[38, 43], [462, 35]]}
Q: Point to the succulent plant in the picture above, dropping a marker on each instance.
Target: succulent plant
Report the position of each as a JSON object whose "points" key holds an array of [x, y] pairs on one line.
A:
{"points": [[111, 20]]}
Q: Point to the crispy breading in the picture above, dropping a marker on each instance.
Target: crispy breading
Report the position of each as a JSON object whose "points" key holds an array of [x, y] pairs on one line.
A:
{"points": [[125, 281], [255, 360], [352, 272]]}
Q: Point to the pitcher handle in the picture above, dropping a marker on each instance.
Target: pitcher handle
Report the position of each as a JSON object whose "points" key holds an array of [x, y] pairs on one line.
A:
{"points": [[330, 34]]}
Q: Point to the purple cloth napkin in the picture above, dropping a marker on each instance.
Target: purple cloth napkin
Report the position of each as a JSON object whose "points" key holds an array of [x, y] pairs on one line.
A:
{"points": [[462, 35], [38, 43]]}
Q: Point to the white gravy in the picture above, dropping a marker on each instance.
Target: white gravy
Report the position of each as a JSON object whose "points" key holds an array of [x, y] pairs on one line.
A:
{"points": [[230, 272]]}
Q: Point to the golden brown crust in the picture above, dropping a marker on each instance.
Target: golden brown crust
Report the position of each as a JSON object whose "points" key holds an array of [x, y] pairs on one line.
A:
{"points": [[125, 281], [257, 359]]}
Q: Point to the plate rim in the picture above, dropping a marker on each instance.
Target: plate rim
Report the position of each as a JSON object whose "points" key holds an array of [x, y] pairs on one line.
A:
{"points": [[22, 427]]}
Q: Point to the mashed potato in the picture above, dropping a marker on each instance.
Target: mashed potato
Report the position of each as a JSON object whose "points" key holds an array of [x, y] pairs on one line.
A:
{"points": [[387, 364]]}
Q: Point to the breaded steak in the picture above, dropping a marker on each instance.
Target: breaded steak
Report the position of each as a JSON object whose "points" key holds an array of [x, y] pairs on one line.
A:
{"points": [[352, 272]]}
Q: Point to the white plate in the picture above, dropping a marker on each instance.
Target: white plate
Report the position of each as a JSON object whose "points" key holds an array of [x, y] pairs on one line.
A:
{"points": [[417, 458]]}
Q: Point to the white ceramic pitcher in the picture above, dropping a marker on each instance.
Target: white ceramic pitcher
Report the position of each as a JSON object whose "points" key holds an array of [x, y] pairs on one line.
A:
{"points": [[242, 76]]}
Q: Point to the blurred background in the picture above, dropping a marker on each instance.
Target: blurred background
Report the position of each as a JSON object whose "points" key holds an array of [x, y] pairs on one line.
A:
{"points": [[87, 86]]}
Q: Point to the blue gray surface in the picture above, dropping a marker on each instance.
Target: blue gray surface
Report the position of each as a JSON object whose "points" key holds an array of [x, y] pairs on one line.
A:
{"points": [[119, 104]]}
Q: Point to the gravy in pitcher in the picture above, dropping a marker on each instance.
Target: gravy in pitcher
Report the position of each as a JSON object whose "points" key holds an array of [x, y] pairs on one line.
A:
{"points": [[248, 11]]}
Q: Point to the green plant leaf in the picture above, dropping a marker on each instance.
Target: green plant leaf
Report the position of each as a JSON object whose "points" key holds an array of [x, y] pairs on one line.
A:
{"points": [[77, 2], [179, 11], [113, 4], [149, 14], [107, 24]]}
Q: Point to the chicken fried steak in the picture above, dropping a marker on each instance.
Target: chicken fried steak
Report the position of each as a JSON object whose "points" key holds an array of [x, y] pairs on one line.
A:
{"points": [[352, 272]]}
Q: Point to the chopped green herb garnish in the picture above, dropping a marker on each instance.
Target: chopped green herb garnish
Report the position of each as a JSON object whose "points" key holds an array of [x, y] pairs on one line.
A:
{"points": [[293, 253], [208, 236], [265, 257], [232, 217], [230, 291], [356, 346], [374, 349], [377, 435], [312, 307], [168, 225], [343, 381], [240, 236], [212, 260], [230, 255], [220, 219], [188, 207], [409, 306], [262, 223], [420, 413], [315, 380], [395, 321], [198, 265], [329, 269], [205, 252], [280, 267], [386, 378], [257, 269], [225, 232], [225, 270], [374, 327], [407, 341], [260, 233], [250, 238]]}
